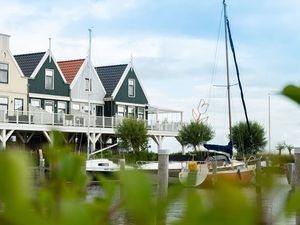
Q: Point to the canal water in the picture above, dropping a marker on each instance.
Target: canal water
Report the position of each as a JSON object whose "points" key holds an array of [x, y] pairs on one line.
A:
{"points": [[273, 202]]}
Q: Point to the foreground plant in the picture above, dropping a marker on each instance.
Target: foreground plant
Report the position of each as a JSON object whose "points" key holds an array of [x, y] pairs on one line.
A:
{"points": [[60, 199]]}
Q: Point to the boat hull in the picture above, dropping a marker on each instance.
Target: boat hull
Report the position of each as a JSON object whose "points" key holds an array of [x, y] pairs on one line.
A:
{"points": [[238, 177]]}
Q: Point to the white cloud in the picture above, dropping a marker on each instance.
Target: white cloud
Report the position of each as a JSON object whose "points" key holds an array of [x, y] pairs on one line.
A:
{"points": [[107, 9], [176, 70]]}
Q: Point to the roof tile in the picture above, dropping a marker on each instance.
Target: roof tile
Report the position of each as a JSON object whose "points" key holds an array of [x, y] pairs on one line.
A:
{"points": [[110, 76], [70, 68], [28, 62]]}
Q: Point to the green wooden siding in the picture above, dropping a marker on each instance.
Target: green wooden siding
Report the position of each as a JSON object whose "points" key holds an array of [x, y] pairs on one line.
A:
{"points": [[37, 85], [122, 95]]}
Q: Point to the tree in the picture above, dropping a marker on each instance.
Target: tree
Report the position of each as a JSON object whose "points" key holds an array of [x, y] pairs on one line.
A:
{"points": [[241, 137], [289, 148], [195, 133], [280, 146], [132, 133]]}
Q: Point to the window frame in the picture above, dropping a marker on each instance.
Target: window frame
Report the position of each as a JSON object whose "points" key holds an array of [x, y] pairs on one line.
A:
{"points": [[141, 113], [122, 112], [4, 70], [76, 106], [131, 114], [52, 77], [45, 104], [35, 99], [64, 110], [133, 88], [22, 100], [88, 86], [3, 104]]}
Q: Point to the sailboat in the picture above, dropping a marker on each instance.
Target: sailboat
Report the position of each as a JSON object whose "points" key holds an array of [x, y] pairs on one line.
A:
{"points": [[220, 166]]}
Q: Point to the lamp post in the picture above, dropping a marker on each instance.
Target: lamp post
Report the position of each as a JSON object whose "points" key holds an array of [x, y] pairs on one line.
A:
{"points": [[269, 117]]}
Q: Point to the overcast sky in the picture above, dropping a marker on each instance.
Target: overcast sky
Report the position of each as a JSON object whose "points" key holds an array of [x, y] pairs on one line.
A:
{"points": [[174, 47]]}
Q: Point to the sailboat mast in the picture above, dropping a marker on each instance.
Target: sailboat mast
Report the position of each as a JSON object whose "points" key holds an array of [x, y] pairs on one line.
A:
{"points": [[227, 71], [89, 93]]}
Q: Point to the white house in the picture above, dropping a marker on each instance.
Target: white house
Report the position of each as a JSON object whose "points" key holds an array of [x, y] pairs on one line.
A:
{"points": [[85, 87]]}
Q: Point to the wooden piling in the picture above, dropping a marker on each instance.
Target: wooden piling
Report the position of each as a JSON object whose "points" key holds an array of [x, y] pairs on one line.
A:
{"points": [[215, 171], [290, 174], [41, 165], [162, 185], [122, 165], [262, 216], [297, 177]]}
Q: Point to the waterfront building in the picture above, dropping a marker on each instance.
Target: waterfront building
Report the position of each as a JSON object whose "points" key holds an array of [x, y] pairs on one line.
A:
{"points": [[125, 95], [47, 87], [13, 83], [86, 89]]}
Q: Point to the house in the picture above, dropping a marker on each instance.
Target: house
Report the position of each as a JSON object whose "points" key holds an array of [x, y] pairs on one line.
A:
{"points": [[85, 87], [13, 84], [47, 87], [125, 95]]}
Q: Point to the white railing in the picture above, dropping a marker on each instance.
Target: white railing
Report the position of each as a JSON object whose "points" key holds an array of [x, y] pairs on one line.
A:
{"points": [[76, 120]]}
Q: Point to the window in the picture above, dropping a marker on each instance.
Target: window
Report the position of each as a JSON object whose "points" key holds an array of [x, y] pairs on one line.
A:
{"points": [[131, 111], [61, 107], [49, 106], [140, 113], [3, 104], [121, 110], [88, 84], [75, 107], [86, 109], [18, 104], [35, 102], [3, 73], [49, 79], [131, 88]]}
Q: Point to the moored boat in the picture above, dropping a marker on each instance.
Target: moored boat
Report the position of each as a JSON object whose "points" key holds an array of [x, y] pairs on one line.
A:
{"points": [[222, 168], [217, 168]]}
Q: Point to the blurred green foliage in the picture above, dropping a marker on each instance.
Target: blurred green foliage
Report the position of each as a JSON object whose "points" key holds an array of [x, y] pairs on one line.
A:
{"points": [[61, 197], [292, 92]]}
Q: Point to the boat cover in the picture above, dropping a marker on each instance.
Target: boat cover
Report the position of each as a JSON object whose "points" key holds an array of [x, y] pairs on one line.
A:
{"points": [[220, 148]]}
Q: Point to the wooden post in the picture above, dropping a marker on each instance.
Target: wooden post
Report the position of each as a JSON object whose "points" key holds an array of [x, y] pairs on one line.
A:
{"points": [[41, 165], [162, 186], [262, 217], [215, 170], [122, 165], [297, 177], [290, 174]]}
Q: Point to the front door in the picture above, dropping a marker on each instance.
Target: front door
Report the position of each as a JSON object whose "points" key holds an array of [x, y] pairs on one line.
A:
{"points": [[99, 110]]}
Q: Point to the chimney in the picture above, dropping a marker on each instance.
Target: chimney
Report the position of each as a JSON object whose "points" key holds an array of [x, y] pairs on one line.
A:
{"points": [[4, 41]]}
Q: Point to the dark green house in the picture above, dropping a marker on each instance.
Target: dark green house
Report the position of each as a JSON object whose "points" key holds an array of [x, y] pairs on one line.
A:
{"points": [[47, 87], [124, 93]]}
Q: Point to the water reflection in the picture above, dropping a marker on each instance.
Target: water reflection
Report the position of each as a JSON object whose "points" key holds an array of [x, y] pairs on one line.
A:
{"points": [[272, 203]]}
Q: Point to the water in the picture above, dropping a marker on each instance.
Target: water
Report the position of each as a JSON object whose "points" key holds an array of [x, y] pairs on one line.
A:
{"points": [[272, 202]]}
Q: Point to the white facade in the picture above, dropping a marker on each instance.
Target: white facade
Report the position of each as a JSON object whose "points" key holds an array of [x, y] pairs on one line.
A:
{"points": [[13, 84], [87, 88]]}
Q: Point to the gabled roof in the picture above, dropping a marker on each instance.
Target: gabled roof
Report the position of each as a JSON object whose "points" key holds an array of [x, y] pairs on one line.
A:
{"points": [[110, 76], [28, 62], [70, 68]]}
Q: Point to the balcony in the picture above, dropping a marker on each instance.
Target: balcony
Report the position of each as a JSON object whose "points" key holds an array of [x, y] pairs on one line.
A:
{"points": [[61, 120]]}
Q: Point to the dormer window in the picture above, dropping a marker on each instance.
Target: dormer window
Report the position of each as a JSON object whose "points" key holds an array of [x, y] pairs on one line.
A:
{"points": [[49, 79], [88, 84], [3, 73], [131, 88]]}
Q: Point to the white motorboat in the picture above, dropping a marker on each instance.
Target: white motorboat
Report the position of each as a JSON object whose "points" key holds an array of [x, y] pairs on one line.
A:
{"points": [[103, 166]]}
